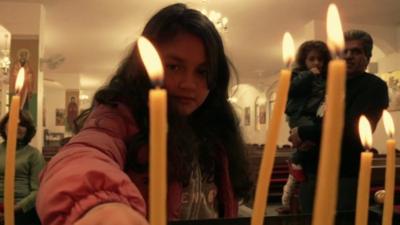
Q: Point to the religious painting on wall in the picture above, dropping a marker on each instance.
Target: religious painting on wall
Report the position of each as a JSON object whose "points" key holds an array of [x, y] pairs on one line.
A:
{"points": [[247, 116], [24, 53], [262, 117], [393, 82], [71, 107], [60, 117], [271, 104]]}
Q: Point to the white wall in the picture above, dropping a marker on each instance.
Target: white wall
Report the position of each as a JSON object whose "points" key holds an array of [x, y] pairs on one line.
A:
{"points": [[54, 98], [398, 37], [380, 136], [389, 63], [246, 95], [37, 141]]}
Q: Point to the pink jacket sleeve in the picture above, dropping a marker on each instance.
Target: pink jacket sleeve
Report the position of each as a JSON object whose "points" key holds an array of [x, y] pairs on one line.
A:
{"points": [[88, 171]]}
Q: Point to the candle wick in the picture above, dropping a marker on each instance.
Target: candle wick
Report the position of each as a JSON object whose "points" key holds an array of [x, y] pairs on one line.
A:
{"points": [[337, 53], [288, 63], [157, 83]]}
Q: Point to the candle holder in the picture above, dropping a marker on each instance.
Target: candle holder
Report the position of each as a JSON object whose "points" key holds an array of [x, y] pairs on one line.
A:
{"points": [[344, 217]]}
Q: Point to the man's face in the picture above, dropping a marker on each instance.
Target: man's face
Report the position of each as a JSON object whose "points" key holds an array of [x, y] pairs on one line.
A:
{"points": [[356, 59]]}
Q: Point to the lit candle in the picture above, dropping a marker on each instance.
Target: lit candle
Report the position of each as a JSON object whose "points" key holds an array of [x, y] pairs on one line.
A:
{"points": [[390, 170], [267, 161], [333, 122], [9, 177], [158, 134], [364, 176]]}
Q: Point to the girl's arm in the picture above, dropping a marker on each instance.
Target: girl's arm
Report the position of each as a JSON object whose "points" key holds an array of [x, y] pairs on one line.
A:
{"points": [[88, 171], [111, 214]]}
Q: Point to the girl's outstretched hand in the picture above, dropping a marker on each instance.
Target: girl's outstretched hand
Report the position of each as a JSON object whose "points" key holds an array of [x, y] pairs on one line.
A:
{"points": [[111, 214]]}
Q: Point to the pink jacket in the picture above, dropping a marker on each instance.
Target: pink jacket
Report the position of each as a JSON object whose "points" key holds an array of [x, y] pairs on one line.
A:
{"points": [[89, 171]]}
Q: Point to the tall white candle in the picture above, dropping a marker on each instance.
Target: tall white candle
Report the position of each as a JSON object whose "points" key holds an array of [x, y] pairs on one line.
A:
{"points": [[364, 176], [333, 122], [390, 172], [267, 161], [12, 127], [158, 134]]}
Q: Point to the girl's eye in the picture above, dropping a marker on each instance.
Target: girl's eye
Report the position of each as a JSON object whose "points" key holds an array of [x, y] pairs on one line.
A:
{"points": [[203, 72], [172, 67]]}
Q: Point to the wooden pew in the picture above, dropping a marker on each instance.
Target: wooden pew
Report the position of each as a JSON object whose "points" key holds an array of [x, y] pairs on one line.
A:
{"points": [[280, 171]]}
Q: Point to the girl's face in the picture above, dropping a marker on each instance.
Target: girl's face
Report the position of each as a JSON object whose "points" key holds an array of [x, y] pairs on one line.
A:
{"points": [[186, 70], [21, 131], [314, 60]]}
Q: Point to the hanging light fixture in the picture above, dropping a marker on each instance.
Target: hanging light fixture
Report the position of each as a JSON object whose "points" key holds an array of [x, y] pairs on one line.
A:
{"points": [[219, 21], [4, 57]]}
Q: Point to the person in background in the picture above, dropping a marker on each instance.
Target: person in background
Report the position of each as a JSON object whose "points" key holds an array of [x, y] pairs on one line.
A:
{"points": [[28, 163], [103, 170], [306, 93], [72, 113], [366, 94]]}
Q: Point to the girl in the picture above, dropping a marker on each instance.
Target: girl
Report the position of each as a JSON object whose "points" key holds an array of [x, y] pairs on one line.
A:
{"points": [[306, 93], [103, 170], [28, 163]]}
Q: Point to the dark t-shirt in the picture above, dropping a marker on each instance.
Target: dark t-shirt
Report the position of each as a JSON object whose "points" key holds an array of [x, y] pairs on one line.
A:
{"points": [[366, 94], [199, 198]]}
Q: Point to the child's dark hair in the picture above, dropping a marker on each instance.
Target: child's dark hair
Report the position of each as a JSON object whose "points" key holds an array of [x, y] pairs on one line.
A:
{"points": [[214, 121], [309, 46], [25, 120]]}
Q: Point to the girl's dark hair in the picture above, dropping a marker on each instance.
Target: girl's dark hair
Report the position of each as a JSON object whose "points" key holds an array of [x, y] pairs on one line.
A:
{"points": [[309, 46], [212, 128], [25, 120]]}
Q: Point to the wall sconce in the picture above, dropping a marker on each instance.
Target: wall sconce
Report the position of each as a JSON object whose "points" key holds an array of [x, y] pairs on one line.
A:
{"points": [[83, 98]]}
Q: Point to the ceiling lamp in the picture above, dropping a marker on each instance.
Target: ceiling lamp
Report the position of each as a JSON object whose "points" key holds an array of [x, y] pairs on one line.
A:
{"points": [[219, 21]]}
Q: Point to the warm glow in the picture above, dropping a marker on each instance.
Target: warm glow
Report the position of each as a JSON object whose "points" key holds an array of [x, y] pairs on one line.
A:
{"points": [[334, 29], [233, 99], [151, 59], [388, 123], [20, 80], [288, 49], [364, 128]]}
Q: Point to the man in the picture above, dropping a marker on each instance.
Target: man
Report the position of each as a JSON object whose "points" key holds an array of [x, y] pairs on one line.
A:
{"points": [[366, 94]]}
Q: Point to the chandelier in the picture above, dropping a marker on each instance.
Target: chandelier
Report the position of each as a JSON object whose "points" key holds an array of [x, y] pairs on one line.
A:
{"points": [[4, 57], [219, 21]]}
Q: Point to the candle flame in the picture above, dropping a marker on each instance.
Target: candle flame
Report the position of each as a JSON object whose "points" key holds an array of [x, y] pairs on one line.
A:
{"points": [[288, 49], [388, 123], [151, 59], [334, 30], [364, 128], [20, 80]]}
